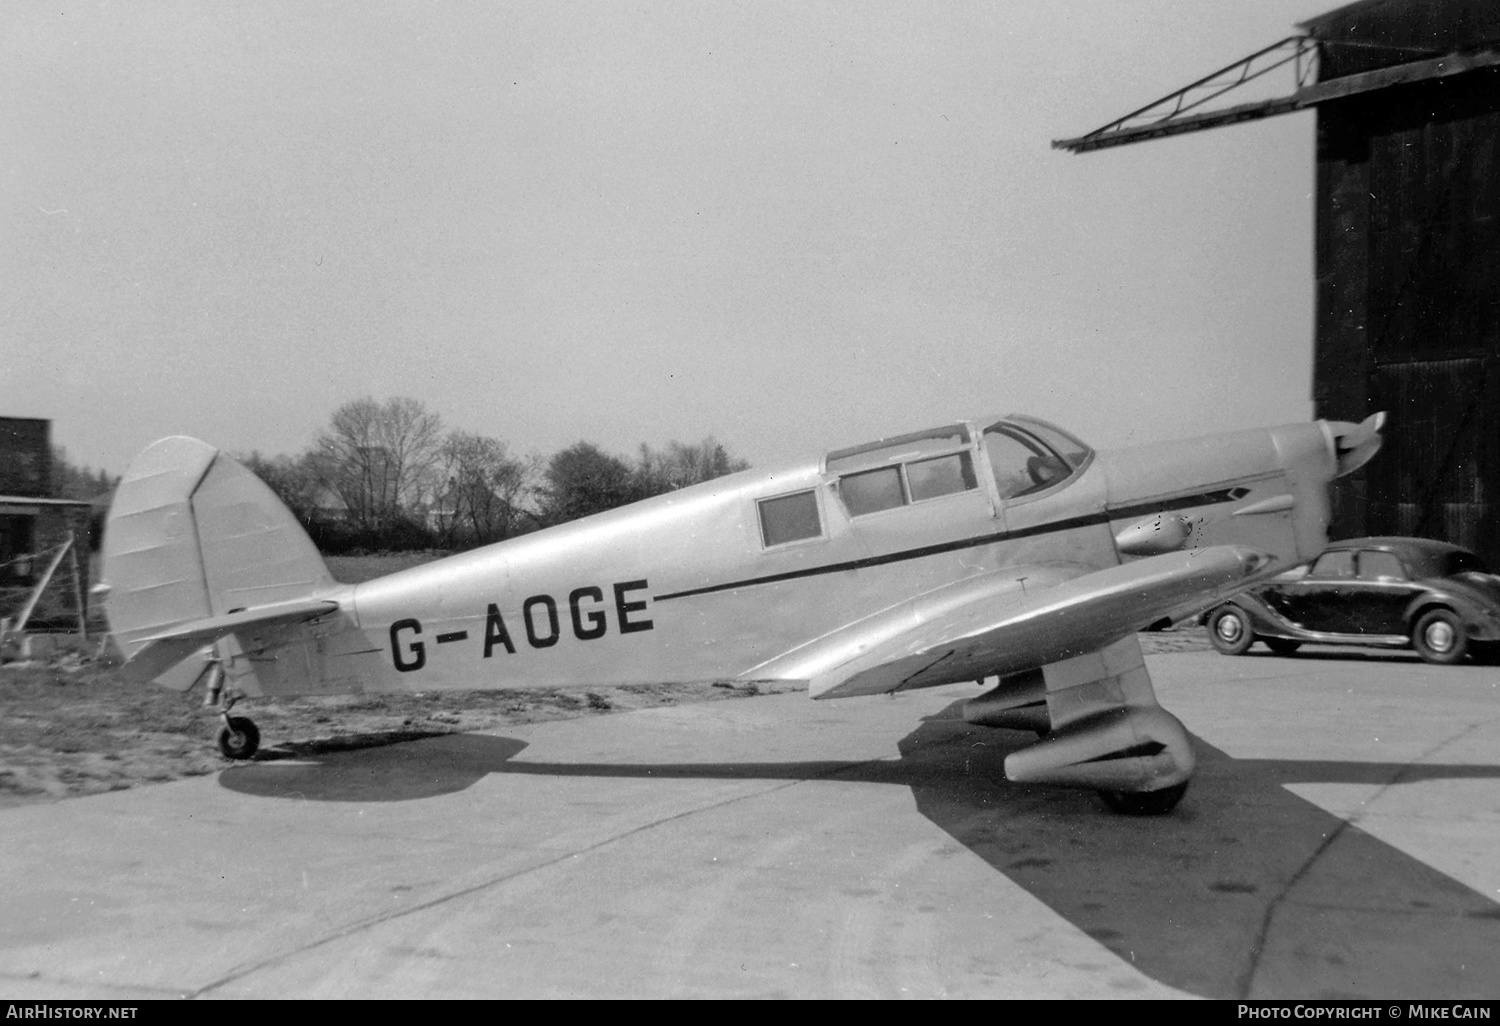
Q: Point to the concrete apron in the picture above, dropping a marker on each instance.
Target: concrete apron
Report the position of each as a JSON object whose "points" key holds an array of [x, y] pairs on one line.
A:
{"points": [[1337, 841]]}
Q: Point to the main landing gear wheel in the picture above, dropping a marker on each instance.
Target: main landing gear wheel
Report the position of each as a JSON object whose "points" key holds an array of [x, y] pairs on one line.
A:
{"points": [[1439, 638], [1229, 630], [239, 738], [1145, 803]]}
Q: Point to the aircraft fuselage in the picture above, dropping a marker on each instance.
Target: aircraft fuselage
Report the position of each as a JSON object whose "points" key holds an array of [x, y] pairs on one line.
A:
{"points": [[688, 585]]}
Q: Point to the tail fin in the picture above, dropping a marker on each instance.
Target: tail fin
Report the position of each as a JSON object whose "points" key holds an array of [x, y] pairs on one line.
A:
{"points": [[192, 536]]}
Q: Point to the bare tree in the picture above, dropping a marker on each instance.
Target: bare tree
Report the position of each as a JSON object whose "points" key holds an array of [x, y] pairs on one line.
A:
{"points": [[379, 458], [70, 481], [295, 481], [486, 487], [682, 465]]}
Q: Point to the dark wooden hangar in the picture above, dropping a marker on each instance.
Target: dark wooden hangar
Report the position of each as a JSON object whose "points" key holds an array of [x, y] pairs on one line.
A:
{"points": [[1407, 94]]}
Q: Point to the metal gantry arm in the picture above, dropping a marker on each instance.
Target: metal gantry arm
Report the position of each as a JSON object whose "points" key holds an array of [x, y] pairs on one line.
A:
{"points": [[1180, 112], [1175, 112]]}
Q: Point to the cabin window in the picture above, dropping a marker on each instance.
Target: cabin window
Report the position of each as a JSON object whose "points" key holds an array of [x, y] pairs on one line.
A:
{"points": [[941, 476], [789, 518], [894, 450], [899, 471], [872, 490]]}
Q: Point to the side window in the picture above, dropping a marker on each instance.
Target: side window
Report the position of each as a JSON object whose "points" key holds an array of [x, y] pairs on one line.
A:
{"points": [[1334, 564], [1022, 464], [943, 475], [789, 518], [909, 468], [1380, 566], [872, 490]]}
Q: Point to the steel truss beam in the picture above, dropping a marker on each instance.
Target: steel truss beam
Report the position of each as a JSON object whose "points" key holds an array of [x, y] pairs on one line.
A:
{"points": [[1179, 112]]}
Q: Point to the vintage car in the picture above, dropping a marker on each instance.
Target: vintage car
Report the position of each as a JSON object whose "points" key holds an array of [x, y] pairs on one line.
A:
{"points": [[1430, 596]]}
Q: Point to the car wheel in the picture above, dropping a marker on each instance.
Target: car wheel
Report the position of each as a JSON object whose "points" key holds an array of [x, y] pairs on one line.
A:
{"points": [[1282, 646], [1439, 637], [1229, 630]]}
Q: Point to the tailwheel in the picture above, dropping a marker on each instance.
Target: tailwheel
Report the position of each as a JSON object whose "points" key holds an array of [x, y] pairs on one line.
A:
{"points": [[239, 738], [1145, 803]]}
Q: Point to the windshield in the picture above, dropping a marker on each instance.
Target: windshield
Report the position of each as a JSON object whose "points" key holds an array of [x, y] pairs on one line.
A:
{"points": [[1031, 456]]}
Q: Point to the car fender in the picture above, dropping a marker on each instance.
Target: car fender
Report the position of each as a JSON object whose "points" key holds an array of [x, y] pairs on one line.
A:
{"points": [[1478, 624], [1264, 621]]}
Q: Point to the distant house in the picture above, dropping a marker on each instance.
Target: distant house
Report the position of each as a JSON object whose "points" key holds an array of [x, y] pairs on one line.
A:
{"points": [[328, 506], [442, 512]]}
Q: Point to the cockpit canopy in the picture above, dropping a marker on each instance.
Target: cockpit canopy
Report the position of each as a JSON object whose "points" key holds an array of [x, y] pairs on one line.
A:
{"points": [[1029, 456], [1026, 456]]}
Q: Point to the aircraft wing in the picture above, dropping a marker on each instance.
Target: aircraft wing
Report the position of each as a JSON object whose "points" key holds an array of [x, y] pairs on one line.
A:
{"points": [[1013, 619], [160, 652]]}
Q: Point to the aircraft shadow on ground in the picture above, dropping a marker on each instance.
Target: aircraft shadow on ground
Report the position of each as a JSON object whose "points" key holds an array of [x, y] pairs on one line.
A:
{"points": [[1245, 889]]}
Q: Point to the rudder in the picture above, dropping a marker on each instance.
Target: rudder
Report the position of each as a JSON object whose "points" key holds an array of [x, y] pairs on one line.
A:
{"points": [[192, 534]]}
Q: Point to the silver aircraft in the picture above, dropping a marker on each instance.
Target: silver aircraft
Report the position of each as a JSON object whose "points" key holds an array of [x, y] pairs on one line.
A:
{"points": [[1001, 548]]}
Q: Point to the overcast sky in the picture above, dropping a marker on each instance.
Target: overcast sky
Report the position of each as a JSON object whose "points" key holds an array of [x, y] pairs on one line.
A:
{"points": [[788, 225]]}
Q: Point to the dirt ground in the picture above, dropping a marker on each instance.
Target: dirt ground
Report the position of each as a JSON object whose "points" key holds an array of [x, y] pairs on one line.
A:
{"points": [[76, 729], [71, 726], [73, 731]]}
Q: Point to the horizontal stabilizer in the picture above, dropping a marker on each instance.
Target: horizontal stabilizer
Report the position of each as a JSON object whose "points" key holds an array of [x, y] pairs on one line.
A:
{"points": [[1028, 617], [166, 649]]}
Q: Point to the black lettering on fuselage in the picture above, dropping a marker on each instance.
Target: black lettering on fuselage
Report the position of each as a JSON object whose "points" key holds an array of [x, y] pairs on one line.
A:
{"points": [[495, 632], [588, 614], [418, 650], [624, 608], [554, 632], [597, 623]]}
